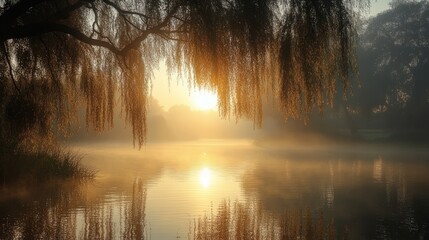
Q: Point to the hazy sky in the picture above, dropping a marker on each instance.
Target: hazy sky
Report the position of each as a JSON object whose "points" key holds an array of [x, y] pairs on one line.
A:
{"points": [[177, 92], [378, 6]]}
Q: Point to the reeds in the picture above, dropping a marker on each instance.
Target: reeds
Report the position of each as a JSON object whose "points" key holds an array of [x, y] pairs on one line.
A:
{"points": [[32, 167]]}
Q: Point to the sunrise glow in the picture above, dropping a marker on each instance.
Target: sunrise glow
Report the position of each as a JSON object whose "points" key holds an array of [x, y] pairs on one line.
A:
{"points": [[204, 100]]}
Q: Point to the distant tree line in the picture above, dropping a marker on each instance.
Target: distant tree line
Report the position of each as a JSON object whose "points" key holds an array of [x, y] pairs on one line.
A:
{"points": [[392, 93], [394, 69]]}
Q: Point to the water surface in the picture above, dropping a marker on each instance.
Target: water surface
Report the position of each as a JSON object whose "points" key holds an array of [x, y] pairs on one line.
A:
{"points": [[370, 192]]}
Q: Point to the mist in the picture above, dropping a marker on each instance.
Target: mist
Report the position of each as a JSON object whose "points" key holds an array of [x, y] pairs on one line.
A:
{"points": [[387, 102], [320, 130]]}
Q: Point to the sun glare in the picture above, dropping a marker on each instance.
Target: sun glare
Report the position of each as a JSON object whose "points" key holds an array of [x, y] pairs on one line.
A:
{"points": [[205, 177], [204, 100]]}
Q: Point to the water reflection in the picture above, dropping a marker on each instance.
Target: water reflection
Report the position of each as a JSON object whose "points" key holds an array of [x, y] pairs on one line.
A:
{"points": [[249, 221], [374, 198], [378, 170], [61, 216], [202, 192], [205, 177]]}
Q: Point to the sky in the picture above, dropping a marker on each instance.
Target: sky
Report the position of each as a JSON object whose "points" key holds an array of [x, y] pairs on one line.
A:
{"points": [[177, 91], [378, 6]]}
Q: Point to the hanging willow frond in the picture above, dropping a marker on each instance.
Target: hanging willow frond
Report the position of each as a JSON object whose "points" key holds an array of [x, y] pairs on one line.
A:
{"points": [[316, 51], [65, 52]]}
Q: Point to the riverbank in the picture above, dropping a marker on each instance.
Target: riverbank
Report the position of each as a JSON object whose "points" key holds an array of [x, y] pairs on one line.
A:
{"points": [[34, 167]]}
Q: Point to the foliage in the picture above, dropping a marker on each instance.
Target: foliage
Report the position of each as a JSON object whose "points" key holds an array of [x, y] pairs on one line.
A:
{"points": [[394, 68], [58, 54], [27, 167]]}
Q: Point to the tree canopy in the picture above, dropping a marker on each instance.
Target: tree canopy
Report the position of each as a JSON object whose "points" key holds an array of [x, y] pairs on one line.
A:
{"points": [[58, 54], [394, 57]]}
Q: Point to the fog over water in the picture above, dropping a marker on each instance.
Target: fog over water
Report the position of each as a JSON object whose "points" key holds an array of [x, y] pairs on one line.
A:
{"points": [[357, 170], [372, 191]]}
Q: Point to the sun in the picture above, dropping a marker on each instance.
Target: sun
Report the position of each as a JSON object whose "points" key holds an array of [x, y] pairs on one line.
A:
{"points": [[204, 100]]}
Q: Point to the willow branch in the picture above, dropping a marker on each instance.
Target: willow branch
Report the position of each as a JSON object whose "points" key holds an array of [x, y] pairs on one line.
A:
{"points": [[39, 29], [43, 28], [64, 12], [136, 42], [12, 13], [122, 11], [10, 67]]}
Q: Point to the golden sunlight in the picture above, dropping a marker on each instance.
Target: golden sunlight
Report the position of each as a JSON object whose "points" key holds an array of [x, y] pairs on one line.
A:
{"points": [[204, 100], [205, 177]]}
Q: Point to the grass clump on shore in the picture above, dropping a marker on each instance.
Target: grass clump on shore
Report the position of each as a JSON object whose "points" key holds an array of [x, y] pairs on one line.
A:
{"points": [[33, 167]]}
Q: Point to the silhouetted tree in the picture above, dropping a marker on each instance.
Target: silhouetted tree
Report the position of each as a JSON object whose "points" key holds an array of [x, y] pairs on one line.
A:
{"points": [[56, 54], [394, 58]]}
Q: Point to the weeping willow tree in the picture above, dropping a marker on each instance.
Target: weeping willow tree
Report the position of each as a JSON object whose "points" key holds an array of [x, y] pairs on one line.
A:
{"points": [[56, 55]]}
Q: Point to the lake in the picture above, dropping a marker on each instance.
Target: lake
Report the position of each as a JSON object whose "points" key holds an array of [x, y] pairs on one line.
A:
{"points": [[225, 189]]}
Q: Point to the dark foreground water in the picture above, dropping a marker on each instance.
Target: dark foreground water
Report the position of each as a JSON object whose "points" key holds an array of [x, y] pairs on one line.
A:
{"points": [[218, 189]]}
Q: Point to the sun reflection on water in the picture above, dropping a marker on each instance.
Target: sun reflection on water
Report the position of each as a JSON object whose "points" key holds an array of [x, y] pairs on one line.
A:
{"points": [[205, 177]]}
